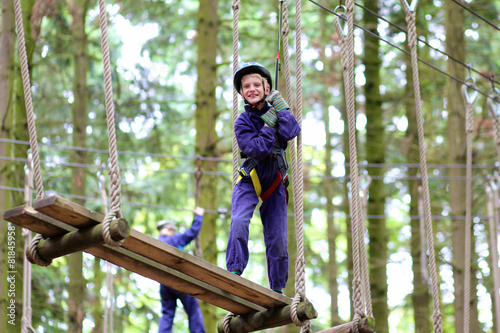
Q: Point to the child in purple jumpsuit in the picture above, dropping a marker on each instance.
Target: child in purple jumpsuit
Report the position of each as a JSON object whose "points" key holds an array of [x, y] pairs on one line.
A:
{"points": [[169, 295], [262, 132]]}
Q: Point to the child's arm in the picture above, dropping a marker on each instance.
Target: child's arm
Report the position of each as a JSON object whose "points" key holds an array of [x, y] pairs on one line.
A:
{"points": [[253, 142]]}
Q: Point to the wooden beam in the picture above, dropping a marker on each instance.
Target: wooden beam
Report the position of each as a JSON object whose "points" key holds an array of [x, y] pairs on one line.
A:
{"points": [[269, 318], [80, 239], [25, 216], [366, 325], [154, 249]]}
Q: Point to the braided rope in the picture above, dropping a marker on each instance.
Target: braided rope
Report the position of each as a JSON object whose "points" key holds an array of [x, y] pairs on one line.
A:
{"points": [[412, 42], [30, 113], [236, 11], [423, 256], [296, 160], [492, 203], [365, 276], [494, 107], [227, 320], [32, 254], [347, 61], [28, 198], [469, 127], [114, 170]]}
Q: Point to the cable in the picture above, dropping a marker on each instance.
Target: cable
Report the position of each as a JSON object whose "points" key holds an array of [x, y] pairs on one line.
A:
{"points": [[404, 51], [475, 14], [426, 43]]}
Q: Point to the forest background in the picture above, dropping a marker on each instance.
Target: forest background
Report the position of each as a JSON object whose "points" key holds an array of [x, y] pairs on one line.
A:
{"points": [[172, 79]]}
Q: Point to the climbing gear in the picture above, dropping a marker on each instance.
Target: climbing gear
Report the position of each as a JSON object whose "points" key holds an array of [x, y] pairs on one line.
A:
{"points": [[270, 117], [278, 67], [248, 169], [252, 68], [277, 101]]}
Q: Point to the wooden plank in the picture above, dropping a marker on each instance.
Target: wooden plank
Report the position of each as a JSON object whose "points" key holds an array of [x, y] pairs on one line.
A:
{"points": [[26, 216], [154, 249]]}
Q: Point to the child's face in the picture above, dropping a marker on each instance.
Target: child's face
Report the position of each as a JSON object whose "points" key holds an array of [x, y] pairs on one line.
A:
{"points": [[253, 89]]}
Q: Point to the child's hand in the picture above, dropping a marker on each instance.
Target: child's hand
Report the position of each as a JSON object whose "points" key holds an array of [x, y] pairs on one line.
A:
{"points": [[270, 117], [199, 211], [277, 101]]}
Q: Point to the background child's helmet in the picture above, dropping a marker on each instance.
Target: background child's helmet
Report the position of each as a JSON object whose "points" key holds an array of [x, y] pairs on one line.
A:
{"points": [[249, 68]]}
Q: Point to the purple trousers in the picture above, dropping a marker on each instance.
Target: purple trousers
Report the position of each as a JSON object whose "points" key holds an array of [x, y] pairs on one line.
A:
{"points": [[169, 298], [274, 220]]}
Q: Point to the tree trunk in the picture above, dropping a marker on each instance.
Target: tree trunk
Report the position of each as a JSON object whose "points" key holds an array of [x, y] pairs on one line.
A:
{"points": [[7, 49], [206, 136], [455, 44], [77, 282], [375, 154]]}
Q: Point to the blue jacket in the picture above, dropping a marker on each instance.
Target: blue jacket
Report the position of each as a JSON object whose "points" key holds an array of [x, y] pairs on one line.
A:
{"points": [[257, 141], [181, 239]]}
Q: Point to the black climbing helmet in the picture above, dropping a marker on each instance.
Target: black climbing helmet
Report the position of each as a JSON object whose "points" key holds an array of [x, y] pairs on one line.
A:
{"points": [[249, 68]]}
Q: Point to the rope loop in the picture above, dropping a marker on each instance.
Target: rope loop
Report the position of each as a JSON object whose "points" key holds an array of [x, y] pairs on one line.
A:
{"points": [[469, 97], [293, 311], [32, 254], [113, 213], [227, 320], [411, 7]]}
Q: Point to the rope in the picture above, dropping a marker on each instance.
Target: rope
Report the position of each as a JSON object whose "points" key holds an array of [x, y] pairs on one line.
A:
{"points": [[412, 42], [236, 11], [114, 172], [492, 205], [494, 250], [365, 277], [227, 320], [30, 114], [108, 311], [296, 160], [346, 34], [423, 256], [27, 310], [494, 107], [197, 183], [469, 128]]}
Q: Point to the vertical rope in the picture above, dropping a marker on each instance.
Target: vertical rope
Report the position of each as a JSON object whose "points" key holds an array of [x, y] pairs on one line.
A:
{"points": [[494, 107], [296, 161], [27, 310], [198, 252], [492, 206], [365, 276], [346, 34], [236, 11], [108, 311], [412, 42], [469, 127], [423, 245], [114, 170], [30, 114]]}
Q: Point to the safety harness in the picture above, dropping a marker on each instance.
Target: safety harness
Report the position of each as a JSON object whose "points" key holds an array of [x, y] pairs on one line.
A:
{"points": [[248, 168]]}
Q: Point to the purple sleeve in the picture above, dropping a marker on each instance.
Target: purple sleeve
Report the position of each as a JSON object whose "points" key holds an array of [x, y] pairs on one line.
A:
{"points": [[288, 127], [181, 239], [255, 142]]}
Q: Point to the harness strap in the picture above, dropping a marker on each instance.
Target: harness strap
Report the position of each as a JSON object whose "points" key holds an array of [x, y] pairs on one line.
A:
{"points": [[249, 169]]}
